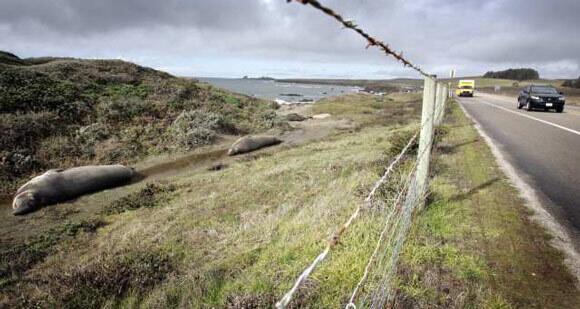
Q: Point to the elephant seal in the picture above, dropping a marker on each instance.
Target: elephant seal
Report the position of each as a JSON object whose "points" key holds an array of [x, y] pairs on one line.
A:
{"points": [[60, 185], [251, 143], [295, 117]]}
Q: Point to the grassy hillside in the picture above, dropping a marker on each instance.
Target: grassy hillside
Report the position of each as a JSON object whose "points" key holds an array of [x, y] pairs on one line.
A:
{"points": [[237, 237], [234, 237], [58, 112]]}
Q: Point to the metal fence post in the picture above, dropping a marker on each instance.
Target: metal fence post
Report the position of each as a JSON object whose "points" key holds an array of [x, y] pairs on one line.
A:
{"points": [[426, 137]]}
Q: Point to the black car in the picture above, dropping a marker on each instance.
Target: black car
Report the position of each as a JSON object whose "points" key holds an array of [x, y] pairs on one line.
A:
{"points": [[544, 97]]}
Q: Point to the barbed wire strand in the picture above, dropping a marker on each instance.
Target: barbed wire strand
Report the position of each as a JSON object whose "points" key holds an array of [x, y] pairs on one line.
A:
{"points": [[285, 300], [336, 237], [371, 41]]}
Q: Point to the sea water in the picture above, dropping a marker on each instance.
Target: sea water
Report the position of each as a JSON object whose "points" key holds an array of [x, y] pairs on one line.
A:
{"points": [[281, 92]]}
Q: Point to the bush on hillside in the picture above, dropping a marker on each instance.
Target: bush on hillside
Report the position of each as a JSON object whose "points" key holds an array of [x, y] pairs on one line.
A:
{"points": [[24, 91], [194, 128], [572, 83], [517, 74]]}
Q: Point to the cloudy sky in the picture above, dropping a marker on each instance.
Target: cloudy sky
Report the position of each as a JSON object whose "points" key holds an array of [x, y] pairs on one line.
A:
{"points": [[231, 38]]}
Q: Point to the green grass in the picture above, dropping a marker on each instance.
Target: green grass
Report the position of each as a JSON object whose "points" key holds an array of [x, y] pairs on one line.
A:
{"points": [[371, 110], [238, 237], [242, 234], [474, 245]]}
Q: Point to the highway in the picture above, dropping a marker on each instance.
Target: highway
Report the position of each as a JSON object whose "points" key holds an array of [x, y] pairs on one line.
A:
{"points": [[543, 148]]}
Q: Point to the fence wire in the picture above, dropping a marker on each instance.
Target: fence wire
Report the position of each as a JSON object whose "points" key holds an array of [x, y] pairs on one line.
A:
{"points": [[336, 237], [374, 289], [371, 41]]}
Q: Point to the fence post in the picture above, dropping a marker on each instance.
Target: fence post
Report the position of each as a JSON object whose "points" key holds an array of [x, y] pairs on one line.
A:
{"points": [[441, 97], [438, 104], [426, 136]]}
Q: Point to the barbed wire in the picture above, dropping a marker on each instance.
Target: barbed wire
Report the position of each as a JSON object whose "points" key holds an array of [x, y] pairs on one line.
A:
{"points": [[371, 41], [285, 300], [400, 227]]}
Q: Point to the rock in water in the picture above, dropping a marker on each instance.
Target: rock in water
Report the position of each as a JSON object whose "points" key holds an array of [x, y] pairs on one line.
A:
{"points": [[59, 185], [295, 117], [252, 142]]}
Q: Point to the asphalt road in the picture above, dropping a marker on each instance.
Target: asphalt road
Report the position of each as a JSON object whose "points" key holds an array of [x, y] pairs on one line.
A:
{"points": [[543, 147]]}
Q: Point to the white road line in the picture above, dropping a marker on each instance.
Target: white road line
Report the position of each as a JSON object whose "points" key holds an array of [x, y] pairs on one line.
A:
{"points": [[533, 118]]}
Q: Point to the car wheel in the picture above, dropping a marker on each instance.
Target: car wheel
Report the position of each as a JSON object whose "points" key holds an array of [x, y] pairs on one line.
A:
{"points": [[528, 106], [559, 109], [519, 104]]}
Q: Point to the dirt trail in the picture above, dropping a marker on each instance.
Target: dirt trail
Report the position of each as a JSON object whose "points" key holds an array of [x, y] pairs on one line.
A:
{"points": [[160, 169]]}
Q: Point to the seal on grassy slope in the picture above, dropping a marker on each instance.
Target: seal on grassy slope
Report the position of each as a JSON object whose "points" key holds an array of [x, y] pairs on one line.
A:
{"points": [[295, 117], [252, 142], [60, 185]]}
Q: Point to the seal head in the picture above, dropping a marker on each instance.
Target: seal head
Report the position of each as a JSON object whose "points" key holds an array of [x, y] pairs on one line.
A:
{"points": [[25, 202]]}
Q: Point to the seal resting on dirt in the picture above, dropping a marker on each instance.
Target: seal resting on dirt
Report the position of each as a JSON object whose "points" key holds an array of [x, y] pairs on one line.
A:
{"points": [[295, 117], [60, 185], [251, 143]]}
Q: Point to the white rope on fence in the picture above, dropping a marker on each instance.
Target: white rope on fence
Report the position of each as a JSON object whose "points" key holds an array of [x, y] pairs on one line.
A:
{"points": [[285, 300], [288, 296]]}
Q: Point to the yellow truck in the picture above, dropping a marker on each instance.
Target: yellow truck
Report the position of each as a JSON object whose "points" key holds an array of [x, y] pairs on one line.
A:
{"points": [[465, 88]]}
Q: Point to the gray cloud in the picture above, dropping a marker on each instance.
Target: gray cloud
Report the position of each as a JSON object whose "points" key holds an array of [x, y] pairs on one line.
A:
{"points": [[261, 37]]}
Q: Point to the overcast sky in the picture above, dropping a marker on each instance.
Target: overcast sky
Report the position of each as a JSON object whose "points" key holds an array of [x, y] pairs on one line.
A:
{"points": [[231, 38]]}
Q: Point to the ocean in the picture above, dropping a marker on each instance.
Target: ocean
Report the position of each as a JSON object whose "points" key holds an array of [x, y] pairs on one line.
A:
{"points": [[283, 93]]}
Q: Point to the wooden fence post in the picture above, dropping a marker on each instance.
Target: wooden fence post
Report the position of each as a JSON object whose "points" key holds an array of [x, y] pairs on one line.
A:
{"points": [[426, 137], [441, 97]]}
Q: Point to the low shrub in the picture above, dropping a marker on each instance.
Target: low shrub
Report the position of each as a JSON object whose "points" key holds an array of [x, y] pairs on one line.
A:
{"points": [[16, 259], [121, 109], [108, 277], [150, 196], [194, 128], [399, 140]]}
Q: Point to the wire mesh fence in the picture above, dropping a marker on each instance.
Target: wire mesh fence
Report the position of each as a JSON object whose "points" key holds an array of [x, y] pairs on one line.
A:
{"points": [[375, 287]]}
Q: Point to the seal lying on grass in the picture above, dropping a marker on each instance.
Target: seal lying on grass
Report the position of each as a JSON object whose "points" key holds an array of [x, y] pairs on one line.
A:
{"points": [[59, 185], [252, 142]]}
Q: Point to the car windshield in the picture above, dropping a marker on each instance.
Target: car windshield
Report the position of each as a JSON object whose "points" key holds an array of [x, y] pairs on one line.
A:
{"points": [[544, 90], [465, 87]]}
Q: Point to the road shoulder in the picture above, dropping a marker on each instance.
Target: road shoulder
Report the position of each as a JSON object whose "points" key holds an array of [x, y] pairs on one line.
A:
{"points": [[476, 243]]}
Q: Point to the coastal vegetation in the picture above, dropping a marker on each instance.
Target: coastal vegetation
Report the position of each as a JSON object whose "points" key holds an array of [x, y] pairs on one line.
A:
{"points": [[211, 231], [62, 112], [516, 74]]}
